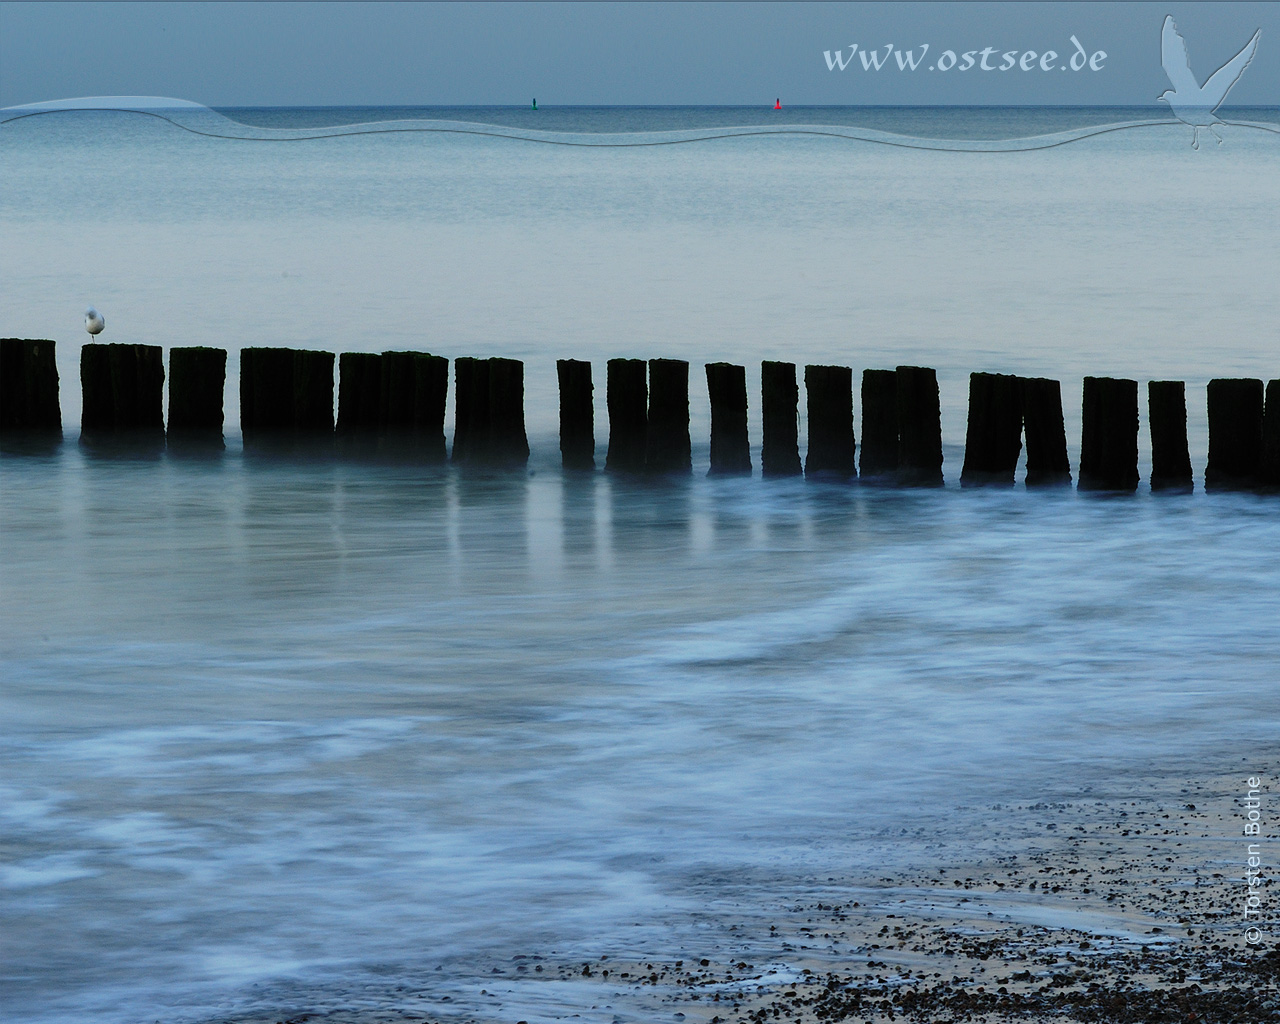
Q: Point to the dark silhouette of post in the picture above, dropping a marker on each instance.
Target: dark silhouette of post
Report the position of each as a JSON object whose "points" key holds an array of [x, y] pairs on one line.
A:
{"points": [[832, 451], [1109, 440], [286, 391], [993, 440], [1235, 434], [29, 387], [396, 396], [508, 442], [430, 392], [577, 414], [780, 412], [313, 392], [1167, 418], [1046, 433], [359, 394], [470, 410], [667, 445], [1269, 470], [627, 395], [919, 427], [730, 446], [197, 380], [123, 389], [878, 459]]}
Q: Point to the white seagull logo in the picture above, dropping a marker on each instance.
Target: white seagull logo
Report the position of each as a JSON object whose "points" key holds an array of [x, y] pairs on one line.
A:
{"points": [[1191, 102]]}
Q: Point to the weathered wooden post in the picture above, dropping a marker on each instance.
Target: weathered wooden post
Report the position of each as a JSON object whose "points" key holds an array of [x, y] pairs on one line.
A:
{"points": [[993, 440], [667, 445], [1047, 462], [627, 395], [430, 393], [359, 394], [1235, 434], [878, 461], [1167, 418], [1109, 440], [919, 427], [780, 413], [832, 451], [29, 387], [577, 414], [470, 409], [395, 397], [197, 380], [313, 392], [730, 446], [1269, 471], [266, 390], [123, 388], [508, 442]]}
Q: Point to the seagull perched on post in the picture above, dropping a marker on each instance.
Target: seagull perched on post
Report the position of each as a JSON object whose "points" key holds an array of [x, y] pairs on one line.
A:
{"points": [[93, 322], [1191, 102]]}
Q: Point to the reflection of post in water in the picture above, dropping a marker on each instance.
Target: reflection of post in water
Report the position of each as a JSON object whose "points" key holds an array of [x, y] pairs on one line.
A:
{"points": [[492, 528], [581, 504], [651, 517]]}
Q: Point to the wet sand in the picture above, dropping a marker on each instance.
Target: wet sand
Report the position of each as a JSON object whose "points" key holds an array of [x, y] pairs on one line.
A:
{"points": [[1093, 910]]}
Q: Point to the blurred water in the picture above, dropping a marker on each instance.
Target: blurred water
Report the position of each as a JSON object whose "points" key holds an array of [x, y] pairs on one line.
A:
{"points": [[310, 723]]}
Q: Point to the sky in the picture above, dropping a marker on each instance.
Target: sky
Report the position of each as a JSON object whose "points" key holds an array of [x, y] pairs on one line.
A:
{"points": [[339, 54]]}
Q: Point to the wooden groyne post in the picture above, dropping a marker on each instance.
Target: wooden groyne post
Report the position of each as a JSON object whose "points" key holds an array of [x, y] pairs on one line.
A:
{"points": [[668, 449], [627, 395], [1167, 419], [1235, 434], [1045, 428], [197, 380], [832, 451], [780, 413], [284, 390], [577, 414], [919, 427], [730, 445], [1109, 440], [878, 460], [993, 439], [411, 404], [29, 387], [1269, 470], [489, 413], [123, 389], [359, 394]]}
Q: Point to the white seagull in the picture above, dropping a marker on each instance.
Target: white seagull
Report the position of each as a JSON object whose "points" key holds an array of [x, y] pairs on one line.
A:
{"points": [[1191, 102], [93, 322]]}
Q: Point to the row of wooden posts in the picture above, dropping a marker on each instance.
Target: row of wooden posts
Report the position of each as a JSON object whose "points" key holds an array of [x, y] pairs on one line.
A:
{"points": [[398, 398]]}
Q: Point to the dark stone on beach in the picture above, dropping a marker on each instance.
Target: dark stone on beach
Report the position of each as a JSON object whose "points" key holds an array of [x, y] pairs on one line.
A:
{"points": [[577, 414], [1047, 462], [780, 412], [878, 459], [919, 427], [123, 388], [993, 441], [1269, 469], [1167, 418], [1109, 439], [29, 387], [508, 443], [667, 445], [359, 393], [197, 380], [470, 409], [627, 395], [730, 445], [430, 393], [832, 451], [1235, 434]]}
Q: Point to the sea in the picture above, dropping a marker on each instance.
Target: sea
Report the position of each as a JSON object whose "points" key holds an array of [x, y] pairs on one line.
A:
{"points": [[285, 734]]}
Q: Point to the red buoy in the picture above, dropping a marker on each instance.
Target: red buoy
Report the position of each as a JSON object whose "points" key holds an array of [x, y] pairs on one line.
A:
{"points": [[777, 104]]}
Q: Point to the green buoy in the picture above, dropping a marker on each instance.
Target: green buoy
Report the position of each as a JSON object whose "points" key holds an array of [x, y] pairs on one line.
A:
{"points": [[535, 103]]}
